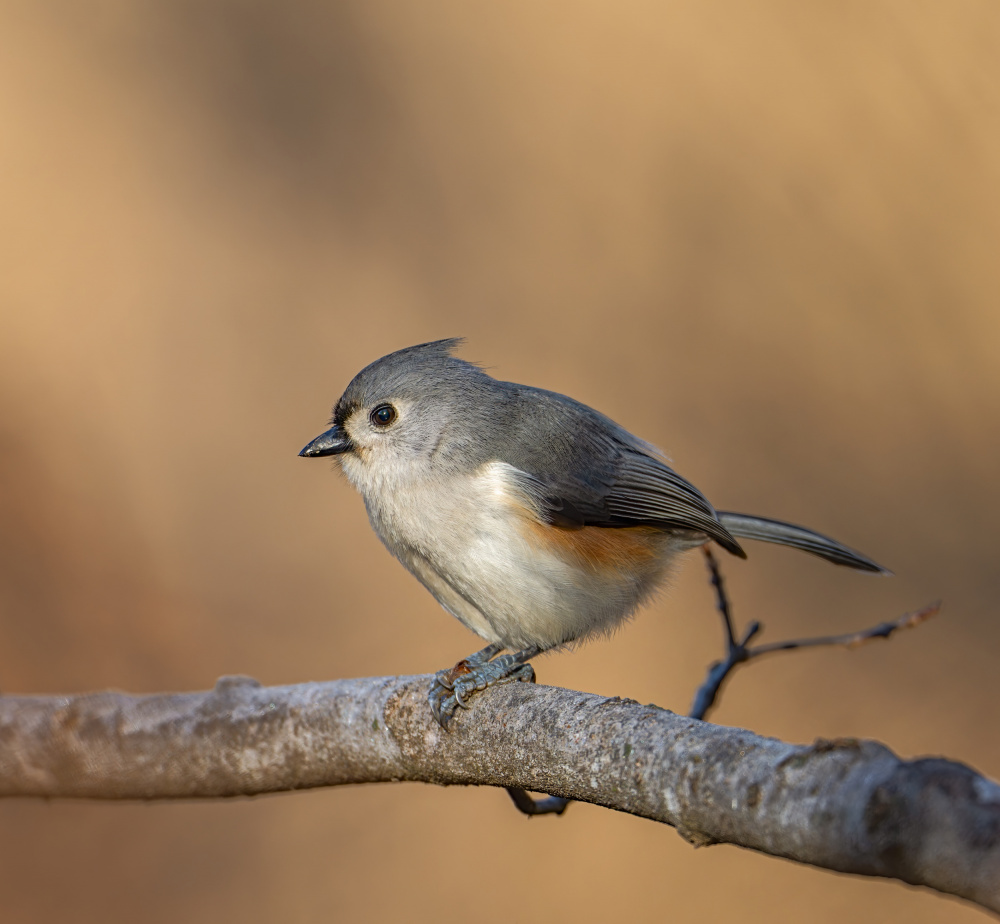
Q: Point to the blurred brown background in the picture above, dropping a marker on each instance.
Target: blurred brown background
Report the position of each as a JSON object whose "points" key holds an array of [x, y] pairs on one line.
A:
{"points": [[764, 236]]}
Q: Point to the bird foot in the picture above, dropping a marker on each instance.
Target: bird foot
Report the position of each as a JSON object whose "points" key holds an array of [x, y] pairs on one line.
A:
{"points": [[452, 688]]}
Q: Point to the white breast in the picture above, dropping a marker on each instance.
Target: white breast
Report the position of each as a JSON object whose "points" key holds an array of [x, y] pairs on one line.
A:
{"points": [[473, 547]]}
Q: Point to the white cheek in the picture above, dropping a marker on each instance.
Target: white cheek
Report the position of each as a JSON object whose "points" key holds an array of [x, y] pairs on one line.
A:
{"points": [[375, 473], [353, 468]]}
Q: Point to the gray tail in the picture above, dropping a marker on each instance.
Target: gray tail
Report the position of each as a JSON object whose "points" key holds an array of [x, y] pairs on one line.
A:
{"points": [[798, 537]]}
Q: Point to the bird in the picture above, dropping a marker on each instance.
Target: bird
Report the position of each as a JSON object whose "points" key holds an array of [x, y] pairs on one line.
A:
{"points": [[532, 518]]}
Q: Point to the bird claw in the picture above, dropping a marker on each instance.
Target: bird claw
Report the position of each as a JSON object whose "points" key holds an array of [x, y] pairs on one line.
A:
{"points": [[444, 704], [451, 689]]}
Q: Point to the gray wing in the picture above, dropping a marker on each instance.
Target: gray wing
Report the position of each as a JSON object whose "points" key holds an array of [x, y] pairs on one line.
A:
{"points": [[582, 469], [643, 492]]}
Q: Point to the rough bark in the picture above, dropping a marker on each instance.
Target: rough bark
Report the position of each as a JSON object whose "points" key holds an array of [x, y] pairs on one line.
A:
{"points": [[846, 805]]}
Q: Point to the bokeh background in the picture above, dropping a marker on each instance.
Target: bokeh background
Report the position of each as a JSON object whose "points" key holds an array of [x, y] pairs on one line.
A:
{"points": [[764, 236]]}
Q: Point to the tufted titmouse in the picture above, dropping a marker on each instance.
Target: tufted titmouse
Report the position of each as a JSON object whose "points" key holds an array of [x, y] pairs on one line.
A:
{"points": [[532, 518]]}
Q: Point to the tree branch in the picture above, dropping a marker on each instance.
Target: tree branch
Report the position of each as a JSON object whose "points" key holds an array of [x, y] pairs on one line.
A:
{"points": [[845, 805]]}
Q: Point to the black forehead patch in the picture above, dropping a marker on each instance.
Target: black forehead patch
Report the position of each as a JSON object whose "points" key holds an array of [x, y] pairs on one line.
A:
{"points": [[342, 411]]}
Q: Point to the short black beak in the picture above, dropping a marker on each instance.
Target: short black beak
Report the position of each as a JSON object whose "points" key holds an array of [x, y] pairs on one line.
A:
{"points": [[331, 443]]}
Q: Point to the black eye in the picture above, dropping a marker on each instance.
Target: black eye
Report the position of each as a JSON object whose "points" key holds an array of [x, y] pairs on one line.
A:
{"points": [[383, 415]]}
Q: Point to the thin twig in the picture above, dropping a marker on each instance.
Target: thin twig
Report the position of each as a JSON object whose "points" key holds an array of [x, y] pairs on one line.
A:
{"points": [[550, 805], [739, 652], [854, 639]]}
